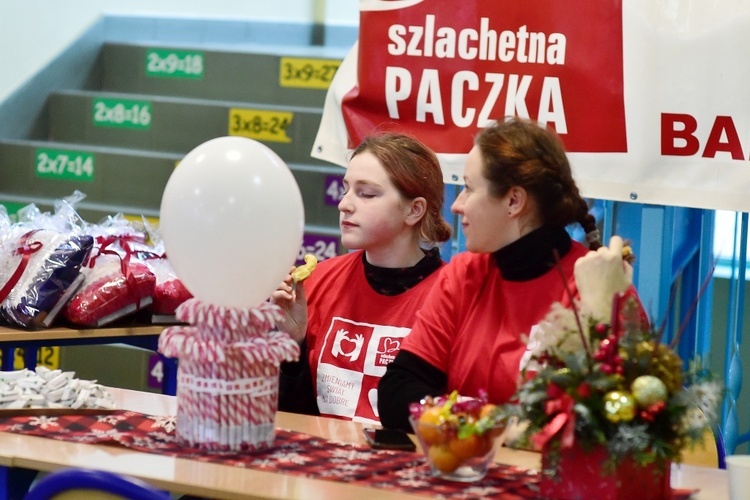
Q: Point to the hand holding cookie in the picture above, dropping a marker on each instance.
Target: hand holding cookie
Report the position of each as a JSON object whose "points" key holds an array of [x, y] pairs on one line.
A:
{"points": [[301, 273]]}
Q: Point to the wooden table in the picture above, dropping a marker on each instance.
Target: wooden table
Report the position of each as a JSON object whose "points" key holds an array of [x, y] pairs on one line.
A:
{"points": [[146, 337], [227, 482]]}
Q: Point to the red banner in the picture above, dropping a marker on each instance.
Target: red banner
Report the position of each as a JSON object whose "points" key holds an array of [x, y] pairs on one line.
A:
{"points": [[442, 70]]}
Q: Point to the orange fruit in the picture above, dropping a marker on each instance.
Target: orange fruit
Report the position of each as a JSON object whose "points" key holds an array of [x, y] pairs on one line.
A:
{"points": [[442, 459], [429, 427], [486, 410], [432, 415], [472, 446]]}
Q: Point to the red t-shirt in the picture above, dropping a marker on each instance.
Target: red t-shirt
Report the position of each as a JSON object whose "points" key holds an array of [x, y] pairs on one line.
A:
{"points": [[474, 325], [353, 333]]}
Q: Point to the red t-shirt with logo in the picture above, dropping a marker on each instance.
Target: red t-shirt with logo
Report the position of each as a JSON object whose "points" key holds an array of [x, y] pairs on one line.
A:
{"points": [[473, 326], [353, 333]]}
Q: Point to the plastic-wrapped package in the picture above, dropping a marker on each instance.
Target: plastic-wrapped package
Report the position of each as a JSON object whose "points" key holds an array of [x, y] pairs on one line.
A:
{"points": [[39, 270], [169, 291], [115, 286]]}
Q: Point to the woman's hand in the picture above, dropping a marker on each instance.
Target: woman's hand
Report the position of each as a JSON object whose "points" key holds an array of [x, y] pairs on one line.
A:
{"points": [[290, 296], [599, 275]]}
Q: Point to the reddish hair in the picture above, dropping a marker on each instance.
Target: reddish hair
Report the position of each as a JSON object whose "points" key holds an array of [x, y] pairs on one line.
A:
{"points": [[415, 171], [520, 152]]}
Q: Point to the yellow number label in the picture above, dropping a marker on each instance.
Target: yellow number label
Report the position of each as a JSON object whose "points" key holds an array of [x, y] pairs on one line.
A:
{"points": [[259, 124], [45, 356], [152, 221], [139, 219], [307, 73]]}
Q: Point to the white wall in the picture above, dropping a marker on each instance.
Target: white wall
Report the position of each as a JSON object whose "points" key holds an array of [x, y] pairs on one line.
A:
{"points": [[34, 32]]}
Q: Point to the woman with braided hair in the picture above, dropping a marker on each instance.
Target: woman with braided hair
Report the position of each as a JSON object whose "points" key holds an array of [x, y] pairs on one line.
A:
{"points": [[471, 333]]}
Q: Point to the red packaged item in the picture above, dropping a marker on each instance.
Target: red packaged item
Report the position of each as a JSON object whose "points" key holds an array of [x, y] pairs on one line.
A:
{"points": [[115, 286], [169, 291]]}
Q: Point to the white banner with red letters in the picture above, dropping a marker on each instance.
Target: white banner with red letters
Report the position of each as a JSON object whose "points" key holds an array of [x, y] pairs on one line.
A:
{"points": [[651, 97]]}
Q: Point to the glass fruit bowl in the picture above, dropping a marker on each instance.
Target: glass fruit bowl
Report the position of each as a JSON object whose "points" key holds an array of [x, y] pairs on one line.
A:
{"points": [[459, 440]]}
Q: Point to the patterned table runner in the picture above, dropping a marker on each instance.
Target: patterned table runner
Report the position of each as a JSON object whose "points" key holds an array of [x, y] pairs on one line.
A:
{"points": [[293, 453]]}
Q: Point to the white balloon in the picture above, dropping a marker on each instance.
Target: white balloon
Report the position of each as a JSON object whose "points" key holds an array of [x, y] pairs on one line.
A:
{"points": [[232, 221]]}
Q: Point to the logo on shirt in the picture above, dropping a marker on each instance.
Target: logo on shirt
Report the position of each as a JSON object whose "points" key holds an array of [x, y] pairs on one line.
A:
{"points": [[353, 357], [387, 350], [347, 346]]}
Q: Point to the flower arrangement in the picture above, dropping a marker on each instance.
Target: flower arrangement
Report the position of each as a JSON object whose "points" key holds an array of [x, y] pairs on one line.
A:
{"points": [[611, 383]]}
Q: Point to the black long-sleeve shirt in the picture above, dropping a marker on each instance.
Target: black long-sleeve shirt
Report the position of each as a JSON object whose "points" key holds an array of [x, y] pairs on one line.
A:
{"points": [[410, 378]]}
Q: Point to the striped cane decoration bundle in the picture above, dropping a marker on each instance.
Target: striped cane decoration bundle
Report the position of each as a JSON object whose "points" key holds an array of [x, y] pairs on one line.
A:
{"points": [[228, 376]]}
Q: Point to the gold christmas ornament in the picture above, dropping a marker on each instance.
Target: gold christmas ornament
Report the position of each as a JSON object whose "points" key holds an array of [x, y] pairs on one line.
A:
{"points": [[648, 390], [655, 358], [619, 406]]}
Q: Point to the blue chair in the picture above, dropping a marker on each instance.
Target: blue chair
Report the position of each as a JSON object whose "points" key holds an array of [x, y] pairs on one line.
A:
{"points": [[721, 450], [92, 484]]}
